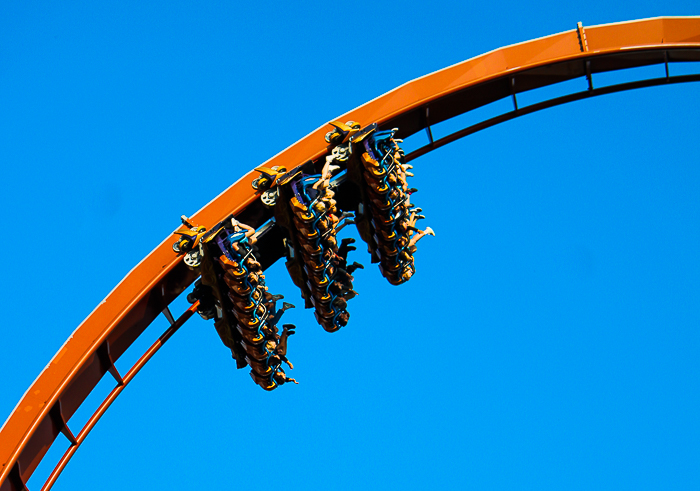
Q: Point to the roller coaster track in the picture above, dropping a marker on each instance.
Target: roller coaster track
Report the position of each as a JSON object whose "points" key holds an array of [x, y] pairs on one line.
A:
{"points": [[146, 292]]}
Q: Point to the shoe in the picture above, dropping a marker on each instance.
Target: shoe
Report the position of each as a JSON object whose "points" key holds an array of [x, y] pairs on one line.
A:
{"points": [[287, 306], [429, 231], [274, 298], [412, 190]]}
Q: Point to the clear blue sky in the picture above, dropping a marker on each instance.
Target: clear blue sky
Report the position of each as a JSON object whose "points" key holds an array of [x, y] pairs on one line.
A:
{"points": [[548, 341]]}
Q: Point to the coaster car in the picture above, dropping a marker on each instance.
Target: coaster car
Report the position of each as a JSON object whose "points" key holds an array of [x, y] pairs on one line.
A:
{"points": [[242, 305], [373, 166], [301, 211], [251, 337], [382, 204], [318, 282], [328, 325], [232, 268], [311, 249], [258, 353], [261, 367], [237, 288], [321, 297]]}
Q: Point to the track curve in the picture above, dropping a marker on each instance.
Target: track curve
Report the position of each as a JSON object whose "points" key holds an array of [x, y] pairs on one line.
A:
{"points": [[90, 352]]}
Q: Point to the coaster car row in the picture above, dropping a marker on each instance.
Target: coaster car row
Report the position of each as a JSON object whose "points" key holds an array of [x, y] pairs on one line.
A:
{"points": [[232, 291], [386, 219], [316, 222]]}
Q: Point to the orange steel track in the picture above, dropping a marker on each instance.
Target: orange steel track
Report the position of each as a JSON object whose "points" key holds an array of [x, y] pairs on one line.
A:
{"points": [[90, 352]]}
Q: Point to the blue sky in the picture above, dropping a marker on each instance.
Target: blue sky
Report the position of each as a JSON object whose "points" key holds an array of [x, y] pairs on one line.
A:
{"points": [[549, 339]]}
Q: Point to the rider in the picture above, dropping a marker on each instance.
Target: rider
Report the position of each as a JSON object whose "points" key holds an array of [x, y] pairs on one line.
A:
{"points": [[281, 378], [247, 237]]}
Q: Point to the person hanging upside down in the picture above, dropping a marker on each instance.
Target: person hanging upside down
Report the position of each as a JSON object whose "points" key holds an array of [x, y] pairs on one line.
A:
{"points": [[410, 244], [276, 315], [419, 235], [248, 237], [281, 350], [281, 378]]}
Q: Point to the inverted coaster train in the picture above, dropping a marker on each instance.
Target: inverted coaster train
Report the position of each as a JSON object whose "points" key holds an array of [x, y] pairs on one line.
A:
{"points": [[367, 168]]}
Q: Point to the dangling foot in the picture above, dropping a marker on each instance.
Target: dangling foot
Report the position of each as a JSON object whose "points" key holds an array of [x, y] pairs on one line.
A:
{"points": [[429, 231], [287, 306]]}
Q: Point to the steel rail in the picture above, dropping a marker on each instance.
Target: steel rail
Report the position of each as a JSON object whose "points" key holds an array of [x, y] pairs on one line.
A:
{"points": [[558, 101], [91, 351], [121, 384]]}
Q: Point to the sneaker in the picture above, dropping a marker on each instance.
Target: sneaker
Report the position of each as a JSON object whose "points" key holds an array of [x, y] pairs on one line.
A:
{"points": [[429, 231]]}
